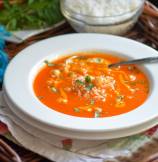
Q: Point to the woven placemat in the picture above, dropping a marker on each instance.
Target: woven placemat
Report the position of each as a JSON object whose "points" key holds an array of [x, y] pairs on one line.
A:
{"points": [[145, 31]]}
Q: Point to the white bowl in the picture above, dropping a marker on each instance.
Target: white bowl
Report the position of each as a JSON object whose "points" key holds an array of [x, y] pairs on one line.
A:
{"points": [[22, 101]]}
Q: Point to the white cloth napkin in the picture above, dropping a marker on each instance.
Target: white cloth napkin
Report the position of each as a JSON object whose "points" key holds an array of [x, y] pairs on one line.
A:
{"points": [[59, 149], [22, 35]]}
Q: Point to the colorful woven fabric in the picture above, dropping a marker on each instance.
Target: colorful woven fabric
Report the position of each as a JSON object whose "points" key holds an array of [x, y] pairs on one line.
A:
{"points": [[3, 56]]}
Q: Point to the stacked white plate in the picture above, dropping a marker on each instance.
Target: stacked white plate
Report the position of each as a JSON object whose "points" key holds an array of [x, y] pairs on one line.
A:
{"points": [[20, 97]]}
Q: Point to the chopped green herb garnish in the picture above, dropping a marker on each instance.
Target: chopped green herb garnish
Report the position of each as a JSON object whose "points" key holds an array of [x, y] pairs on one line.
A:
{"points": [[98, 60], [96, 114], [89, 87], [92, 102], [119, 98], [87, 79], [49, 63], [80, 82], [76, 109], [53, 89]]}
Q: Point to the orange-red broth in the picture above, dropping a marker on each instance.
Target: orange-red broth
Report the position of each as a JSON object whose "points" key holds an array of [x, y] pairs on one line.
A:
{"points": [[82, 85]]}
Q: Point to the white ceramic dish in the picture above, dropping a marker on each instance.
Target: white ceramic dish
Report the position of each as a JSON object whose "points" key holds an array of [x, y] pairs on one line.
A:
{"points": [[20, 96], [79, 134]]}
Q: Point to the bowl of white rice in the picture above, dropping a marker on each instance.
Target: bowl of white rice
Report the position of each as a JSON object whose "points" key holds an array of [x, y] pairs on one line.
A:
{"points": [[102, 16]]}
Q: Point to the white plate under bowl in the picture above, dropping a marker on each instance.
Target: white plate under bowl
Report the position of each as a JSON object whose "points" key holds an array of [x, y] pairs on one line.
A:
{"points": [[79, 134], [23, 68]]}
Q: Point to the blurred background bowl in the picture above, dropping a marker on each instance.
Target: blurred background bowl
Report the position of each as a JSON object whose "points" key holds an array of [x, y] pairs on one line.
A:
{"points": [[117, 24]]}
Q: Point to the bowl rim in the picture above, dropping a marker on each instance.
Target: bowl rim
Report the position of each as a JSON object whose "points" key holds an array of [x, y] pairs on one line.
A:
{"points": [[25, 100], [69, 10]]}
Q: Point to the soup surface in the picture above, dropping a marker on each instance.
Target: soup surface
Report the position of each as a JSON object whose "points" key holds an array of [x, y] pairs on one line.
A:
{"points": [[82, 85]]}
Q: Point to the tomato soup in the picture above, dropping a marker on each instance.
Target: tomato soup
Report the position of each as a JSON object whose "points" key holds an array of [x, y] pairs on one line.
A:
{"points": [[82, 85]]}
